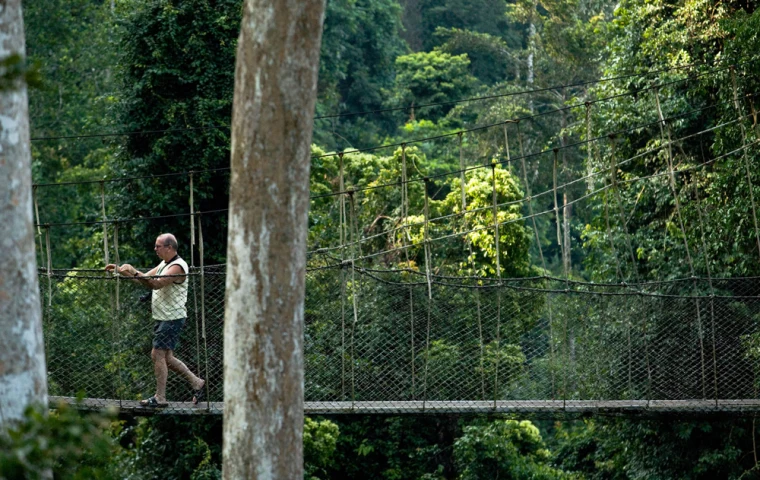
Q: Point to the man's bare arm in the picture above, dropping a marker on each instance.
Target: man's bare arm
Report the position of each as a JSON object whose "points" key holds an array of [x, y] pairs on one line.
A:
{"points": [[173, 274], [128, 271]]}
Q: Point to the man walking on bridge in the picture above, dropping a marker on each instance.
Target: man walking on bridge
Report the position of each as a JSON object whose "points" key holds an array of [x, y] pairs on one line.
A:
{"points": [[168, 280]]}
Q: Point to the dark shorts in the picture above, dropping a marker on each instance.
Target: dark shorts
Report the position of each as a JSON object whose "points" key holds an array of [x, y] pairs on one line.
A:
{"points": [[166, 334]]}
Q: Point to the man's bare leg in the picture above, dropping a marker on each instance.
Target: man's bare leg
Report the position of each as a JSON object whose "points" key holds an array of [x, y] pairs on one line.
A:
{"points": [[176, 365], [160, 368]]}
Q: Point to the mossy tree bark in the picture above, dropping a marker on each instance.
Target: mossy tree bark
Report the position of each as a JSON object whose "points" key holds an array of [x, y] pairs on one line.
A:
{"points": [[273, 109], [22, 354]]}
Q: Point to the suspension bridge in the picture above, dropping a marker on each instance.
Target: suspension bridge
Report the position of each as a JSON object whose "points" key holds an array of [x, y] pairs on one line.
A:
{"points": [[393, 325]]}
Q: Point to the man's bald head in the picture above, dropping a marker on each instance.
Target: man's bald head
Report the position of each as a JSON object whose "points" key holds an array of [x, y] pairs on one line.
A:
{"points": [[169, 240]]}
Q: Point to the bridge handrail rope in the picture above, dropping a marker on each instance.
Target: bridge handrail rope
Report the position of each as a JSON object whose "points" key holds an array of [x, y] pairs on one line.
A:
{"points": [[434, 176], [530, 155], [436, 279], [406, 226], [506, 222], [633, 93], [551, 210], [457, 172]]}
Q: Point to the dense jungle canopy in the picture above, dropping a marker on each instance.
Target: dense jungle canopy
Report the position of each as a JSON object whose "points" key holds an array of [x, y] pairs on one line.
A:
{"points": [[165, 68]]}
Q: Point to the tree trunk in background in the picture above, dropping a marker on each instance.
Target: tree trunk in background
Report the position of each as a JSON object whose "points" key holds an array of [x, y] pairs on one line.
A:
{"points": [[567, 207], [22, 354], [273, 109], [412, 21]]}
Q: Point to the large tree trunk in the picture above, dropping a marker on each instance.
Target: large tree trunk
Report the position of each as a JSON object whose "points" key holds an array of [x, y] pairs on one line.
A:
{"points": [[275, 94], [22, 353]]}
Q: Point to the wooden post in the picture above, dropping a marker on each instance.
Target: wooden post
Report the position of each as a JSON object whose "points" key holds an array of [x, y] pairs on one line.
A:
{"points": [[273, 108]]}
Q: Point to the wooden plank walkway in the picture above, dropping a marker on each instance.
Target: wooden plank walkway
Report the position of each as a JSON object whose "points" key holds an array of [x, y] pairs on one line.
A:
{"points": [[622, 407]]}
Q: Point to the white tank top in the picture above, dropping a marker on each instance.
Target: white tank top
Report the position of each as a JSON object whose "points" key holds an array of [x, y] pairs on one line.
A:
{"points": [[170, 302]]}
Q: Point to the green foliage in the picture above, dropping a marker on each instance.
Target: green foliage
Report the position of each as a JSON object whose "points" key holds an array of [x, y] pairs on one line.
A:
{"points": [[360, 42], [514, 237], [176, 71], [504, 449], [320, 438], [64, 443], [664, 448], [431, 77], [172, 447], [395, 448], [14, 70], [491, 59], [71, 45], [483, 16]]}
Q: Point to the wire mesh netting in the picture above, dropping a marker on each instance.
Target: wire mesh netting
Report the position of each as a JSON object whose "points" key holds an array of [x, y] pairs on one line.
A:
{"points": [[381, 341]]}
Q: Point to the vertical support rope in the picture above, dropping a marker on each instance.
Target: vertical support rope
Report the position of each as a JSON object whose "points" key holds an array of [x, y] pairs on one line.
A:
{"points": [[354, 295], [590, 186], [118, 262], [506, 146], [755, 125], [49, 284], [560, 243], [461, 174], [529, 201], [712, 303], [192, 221], [495, 208], [342, 223], [748, 173], [37, 216], [590, 161], [105, 221], [404, 236], [556, 202], [203, 308], [618, 269], [342, 205], [115, 331], [665, 135], [36, 209], [497, 238], [343, 332], [49, 266], [621, 213], [634, 268], [115, 307], [194, 282], [426, 242], [471, 258]]}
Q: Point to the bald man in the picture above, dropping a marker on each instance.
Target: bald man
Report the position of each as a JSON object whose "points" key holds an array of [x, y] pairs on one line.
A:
{"points": [[169, 285]]}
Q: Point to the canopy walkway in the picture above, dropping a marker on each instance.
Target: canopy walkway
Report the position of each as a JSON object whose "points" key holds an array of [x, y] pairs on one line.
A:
{"points": [[413, 310], [376, 342]]}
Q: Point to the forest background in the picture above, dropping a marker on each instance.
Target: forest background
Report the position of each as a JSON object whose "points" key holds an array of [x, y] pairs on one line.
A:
{"points": [[166, 66]]}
